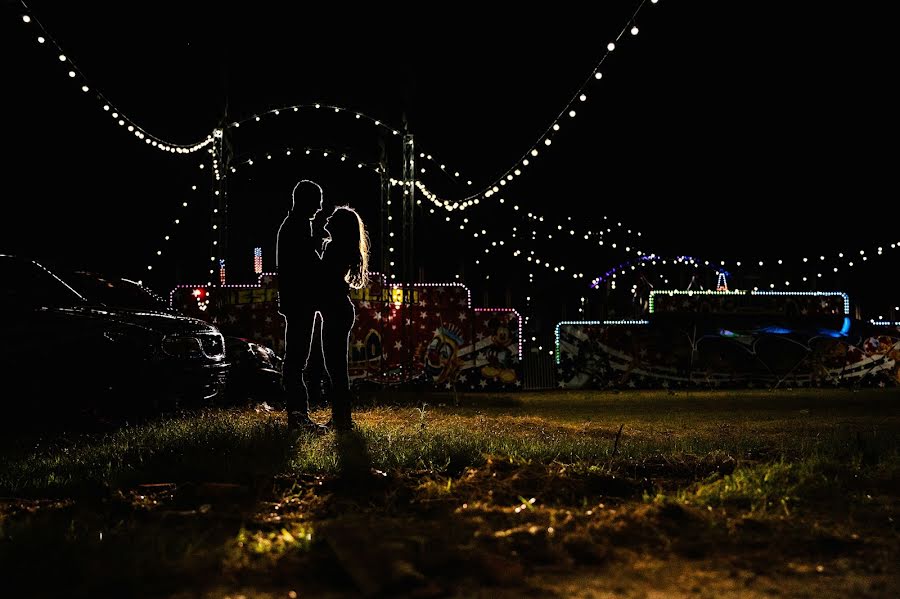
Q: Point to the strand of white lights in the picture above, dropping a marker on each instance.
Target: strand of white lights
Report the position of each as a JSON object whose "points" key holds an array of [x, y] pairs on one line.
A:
{"points": [[516, 238], [305, 152], [75, 74], [175, 222], [319, 107], [654, 260], [562, 231], [526, 256], [566, 114], [845, 260], [452, 174], [214, 258], [568, 231], [826, 265]]}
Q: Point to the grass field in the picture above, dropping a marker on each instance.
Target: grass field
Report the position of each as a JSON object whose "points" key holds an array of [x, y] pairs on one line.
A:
{"points": [[790, 493]]}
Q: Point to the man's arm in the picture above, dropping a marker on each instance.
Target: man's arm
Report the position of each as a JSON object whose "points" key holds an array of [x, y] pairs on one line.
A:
{"points": [[317, 227]]}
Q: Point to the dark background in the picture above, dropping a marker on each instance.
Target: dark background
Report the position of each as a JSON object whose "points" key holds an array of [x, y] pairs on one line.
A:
{"points": [[724, 130]]}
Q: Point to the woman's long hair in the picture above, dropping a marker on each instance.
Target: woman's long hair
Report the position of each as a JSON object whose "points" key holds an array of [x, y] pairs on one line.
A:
{"points": [[349, 245]]}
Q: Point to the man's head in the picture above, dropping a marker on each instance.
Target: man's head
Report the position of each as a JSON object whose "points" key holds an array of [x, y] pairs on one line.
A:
{"points": [[307, 198]]}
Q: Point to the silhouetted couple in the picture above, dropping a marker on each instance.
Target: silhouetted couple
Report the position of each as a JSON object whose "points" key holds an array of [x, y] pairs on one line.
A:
{"points": [[320, 255]]}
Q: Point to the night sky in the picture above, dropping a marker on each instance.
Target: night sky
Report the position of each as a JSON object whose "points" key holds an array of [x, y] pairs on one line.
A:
{"points": [[723, 130]]}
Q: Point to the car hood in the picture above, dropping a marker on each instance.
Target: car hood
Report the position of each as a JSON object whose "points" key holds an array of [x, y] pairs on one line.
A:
{"points": [[161, 322]]}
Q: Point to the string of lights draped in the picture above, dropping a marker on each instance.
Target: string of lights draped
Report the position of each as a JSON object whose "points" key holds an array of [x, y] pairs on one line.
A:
{"points": [[156, 142], [644, 258], [346, 159], [546, 138], [825, 264], [302, 152], [44, 38], [652, 259], [315, 106], [510, 174], [516, 236], [587, 235], [171, 231], [74, 73]]}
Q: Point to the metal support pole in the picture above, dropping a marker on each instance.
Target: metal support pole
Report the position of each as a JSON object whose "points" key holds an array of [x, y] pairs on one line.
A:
{"points": [[219, 216], [409, 202], [408, 247]]}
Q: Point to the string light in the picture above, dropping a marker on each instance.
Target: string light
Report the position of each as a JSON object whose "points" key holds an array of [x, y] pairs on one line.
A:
{"points": [[177, 221], [508, 311], [309, 151], [546, 138], [139, 133], [653, 260], [294, 108]]}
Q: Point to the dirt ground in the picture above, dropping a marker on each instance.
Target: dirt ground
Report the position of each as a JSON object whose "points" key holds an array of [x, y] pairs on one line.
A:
{"points": [[617, 522]]}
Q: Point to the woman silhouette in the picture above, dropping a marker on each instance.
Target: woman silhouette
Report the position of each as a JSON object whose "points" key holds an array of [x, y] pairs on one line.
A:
{"points": [[344, 266]]}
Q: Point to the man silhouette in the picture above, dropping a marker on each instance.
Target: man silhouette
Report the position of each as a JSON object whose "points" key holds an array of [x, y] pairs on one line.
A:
{"points": [[298, 261]]}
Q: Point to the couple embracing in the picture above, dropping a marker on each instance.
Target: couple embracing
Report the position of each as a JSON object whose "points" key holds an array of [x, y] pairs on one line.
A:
{"points": [[321, 253]]}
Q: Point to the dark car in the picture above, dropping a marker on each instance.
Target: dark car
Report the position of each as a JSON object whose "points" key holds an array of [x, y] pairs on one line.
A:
{"points": [[63, 350], [254, 370]]}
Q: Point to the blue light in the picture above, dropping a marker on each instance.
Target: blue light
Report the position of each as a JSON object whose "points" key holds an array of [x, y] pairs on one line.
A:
{"points": [[776, 330], [845, 329]]}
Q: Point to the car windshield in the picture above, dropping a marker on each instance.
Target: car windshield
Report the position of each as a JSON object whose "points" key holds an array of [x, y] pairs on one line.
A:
{"points": [[27, 283], [116, 293]]}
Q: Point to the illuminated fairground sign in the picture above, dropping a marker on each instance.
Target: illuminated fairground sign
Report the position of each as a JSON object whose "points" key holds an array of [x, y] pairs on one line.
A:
{"points": [[422, 331], [791, 303], [754, 339]]}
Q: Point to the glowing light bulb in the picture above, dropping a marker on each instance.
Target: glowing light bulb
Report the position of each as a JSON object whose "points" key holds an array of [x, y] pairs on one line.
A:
{"points": [[84, 88], [41, 39], [534, 152], [71, 73], [634, 30], [26, 19], [598, 75], [582, 97], [547, 142], [62, 58], [610, 46], [572, 114]]}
